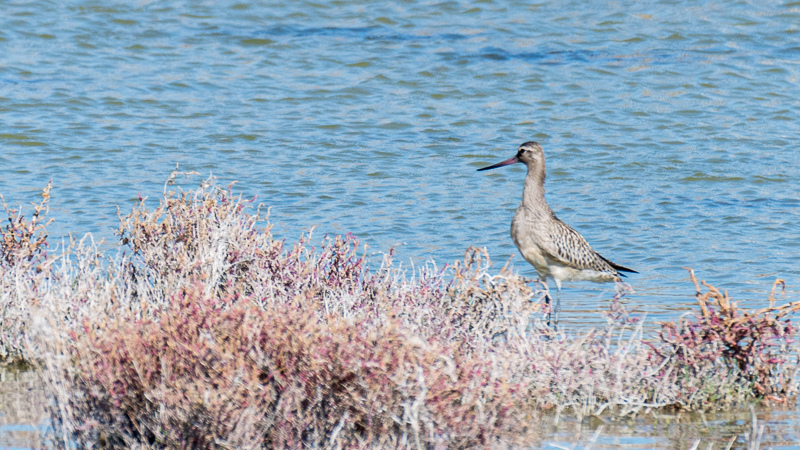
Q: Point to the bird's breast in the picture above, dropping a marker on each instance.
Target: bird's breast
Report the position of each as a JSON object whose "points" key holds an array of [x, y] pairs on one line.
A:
{"points": [[524, 235]]}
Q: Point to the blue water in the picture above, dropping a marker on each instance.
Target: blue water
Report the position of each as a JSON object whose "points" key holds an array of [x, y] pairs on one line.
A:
{"points": [[670, 128]]}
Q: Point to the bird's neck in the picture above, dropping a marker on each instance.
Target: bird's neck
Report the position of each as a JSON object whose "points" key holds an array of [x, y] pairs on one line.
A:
{"points": [[533, 192]]}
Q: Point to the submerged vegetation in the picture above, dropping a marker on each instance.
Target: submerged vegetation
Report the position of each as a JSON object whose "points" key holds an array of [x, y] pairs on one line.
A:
{"points": [[206, 331]]}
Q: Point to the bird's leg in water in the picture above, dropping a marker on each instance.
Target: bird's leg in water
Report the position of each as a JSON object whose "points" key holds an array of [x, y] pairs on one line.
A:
{"points": [[557, 308], [547, 299]]}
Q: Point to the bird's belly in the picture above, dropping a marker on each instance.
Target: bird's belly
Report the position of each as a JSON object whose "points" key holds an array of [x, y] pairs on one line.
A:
{"points": [[565, 273]]}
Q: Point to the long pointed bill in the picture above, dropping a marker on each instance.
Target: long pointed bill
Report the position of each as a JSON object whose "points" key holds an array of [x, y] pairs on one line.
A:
{"points": [[501, 164]]}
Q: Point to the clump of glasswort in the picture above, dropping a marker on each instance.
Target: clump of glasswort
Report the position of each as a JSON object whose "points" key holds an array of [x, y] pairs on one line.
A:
{"points": [[725, 342], [208, 332], [24, 261], [25, 241]]}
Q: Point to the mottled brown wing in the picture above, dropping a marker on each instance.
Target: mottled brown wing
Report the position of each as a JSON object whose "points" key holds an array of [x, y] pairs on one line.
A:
{"points": [[571, 249]]}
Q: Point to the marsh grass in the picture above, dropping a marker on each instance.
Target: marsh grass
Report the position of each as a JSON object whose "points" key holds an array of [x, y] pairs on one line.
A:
{"points": [[206, 331]]}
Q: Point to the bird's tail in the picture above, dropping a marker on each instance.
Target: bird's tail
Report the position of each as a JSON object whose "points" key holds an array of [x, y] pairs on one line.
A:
{"points": [[618, 267]]}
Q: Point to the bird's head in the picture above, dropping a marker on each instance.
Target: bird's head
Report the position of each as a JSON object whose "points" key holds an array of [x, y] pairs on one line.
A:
{"points": [[529, 153]]}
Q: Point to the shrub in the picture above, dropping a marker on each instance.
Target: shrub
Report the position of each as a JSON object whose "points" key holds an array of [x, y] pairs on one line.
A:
{"points": [[208, 332], [24, 267], [25, 241], [220, 372], [727, 345]]}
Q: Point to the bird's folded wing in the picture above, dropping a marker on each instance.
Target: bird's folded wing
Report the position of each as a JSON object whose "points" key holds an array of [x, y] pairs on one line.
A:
{"points": [[569, 248]]}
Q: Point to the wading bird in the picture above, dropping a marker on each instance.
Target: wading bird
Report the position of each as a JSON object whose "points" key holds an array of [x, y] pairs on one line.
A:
{"points": [[554, 249]]}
